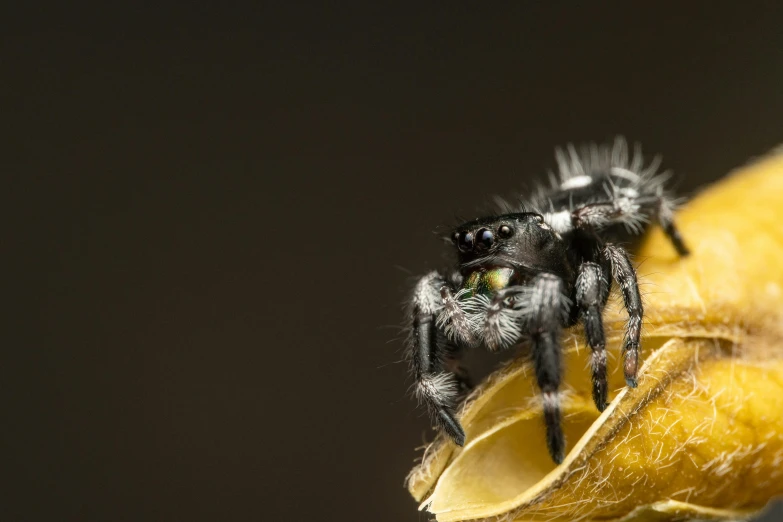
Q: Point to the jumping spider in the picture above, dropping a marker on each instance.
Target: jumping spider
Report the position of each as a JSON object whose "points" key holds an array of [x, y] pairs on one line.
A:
{"points": [[525, 275]]}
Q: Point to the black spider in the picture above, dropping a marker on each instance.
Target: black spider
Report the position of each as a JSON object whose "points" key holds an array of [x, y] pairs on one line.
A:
{"points": [[525, 275]]}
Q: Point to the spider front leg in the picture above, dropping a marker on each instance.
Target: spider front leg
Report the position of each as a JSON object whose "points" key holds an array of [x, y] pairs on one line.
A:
{"points": [[501, 326], [437, 388], [623, 272], [591, 294], [548, 309]]}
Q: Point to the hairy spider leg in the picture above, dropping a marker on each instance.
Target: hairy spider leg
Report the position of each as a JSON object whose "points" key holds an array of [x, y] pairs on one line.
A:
{"points": [[625, 275], [629, 210], [547, 306], [453, 320], [592, 290], [437, 388], [504, 313], [666, 220]]}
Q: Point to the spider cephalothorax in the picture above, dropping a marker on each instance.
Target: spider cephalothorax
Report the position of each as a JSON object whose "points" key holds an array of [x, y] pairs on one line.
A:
{"points": [[524, 275]]}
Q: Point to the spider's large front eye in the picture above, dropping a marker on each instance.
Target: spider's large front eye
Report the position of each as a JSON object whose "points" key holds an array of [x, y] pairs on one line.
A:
{"points": [[484, 238], [465, 241]]}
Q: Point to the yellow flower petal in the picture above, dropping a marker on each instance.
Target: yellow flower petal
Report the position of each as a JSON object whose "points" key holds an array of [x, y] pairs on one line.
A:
{"points": [[702, 435]]}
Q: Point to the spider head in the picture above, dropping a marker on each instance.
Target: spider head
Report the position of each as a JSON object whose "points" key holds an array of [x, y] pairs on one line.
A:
{"points": [[519, 241]]}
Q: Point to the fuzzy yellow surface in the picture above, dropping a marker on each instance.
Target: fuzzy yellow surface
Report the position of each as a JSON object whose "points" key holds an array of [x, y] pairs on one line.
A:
{"points": [[702, 435]]}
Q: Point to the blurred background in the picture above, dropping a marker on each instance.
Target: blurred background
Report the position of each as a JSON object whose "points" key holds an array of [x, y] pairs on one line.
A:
{"points": [[214, 214]]}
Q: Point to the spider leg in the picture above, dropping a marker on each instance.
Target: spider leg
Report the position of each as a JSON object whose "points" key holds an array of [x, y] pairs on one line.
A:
{"points": [[591, 293], [618, 210], [632, 212], [546, 308], [453, 319], [437, 388], [624, 273], [666, 219], [501, 326]]}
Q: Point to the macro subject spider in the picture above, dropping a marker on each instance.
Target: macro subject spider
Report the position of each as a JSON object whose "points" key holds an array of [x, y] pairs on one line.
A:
{"points": [[525, 274]]}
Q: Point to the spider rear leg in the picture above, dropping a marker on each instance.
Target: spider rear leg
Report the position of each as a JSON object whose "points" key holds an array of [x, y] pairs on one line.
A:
{"points": [[591, 293], [666, 219], [600, 214], [632, 212], [624, 273], [546, 307], [435, 387]]}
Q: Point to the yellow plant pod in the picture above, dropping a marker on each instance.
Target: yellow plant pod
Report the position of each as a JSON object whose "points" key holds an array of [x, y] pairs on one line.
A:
{"points": [[701, 436]]}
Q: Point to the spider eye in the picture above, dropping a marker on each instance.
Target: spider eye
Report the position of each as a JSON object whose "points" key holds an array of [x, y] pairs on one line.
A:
{"points": [[505, 231], [484, 238], [465, 241]]}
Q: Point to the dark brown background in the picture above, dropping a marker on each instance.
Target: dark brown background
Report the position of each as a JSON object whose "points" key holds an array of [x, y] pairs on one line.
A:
{"points": [[213, 215]]}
